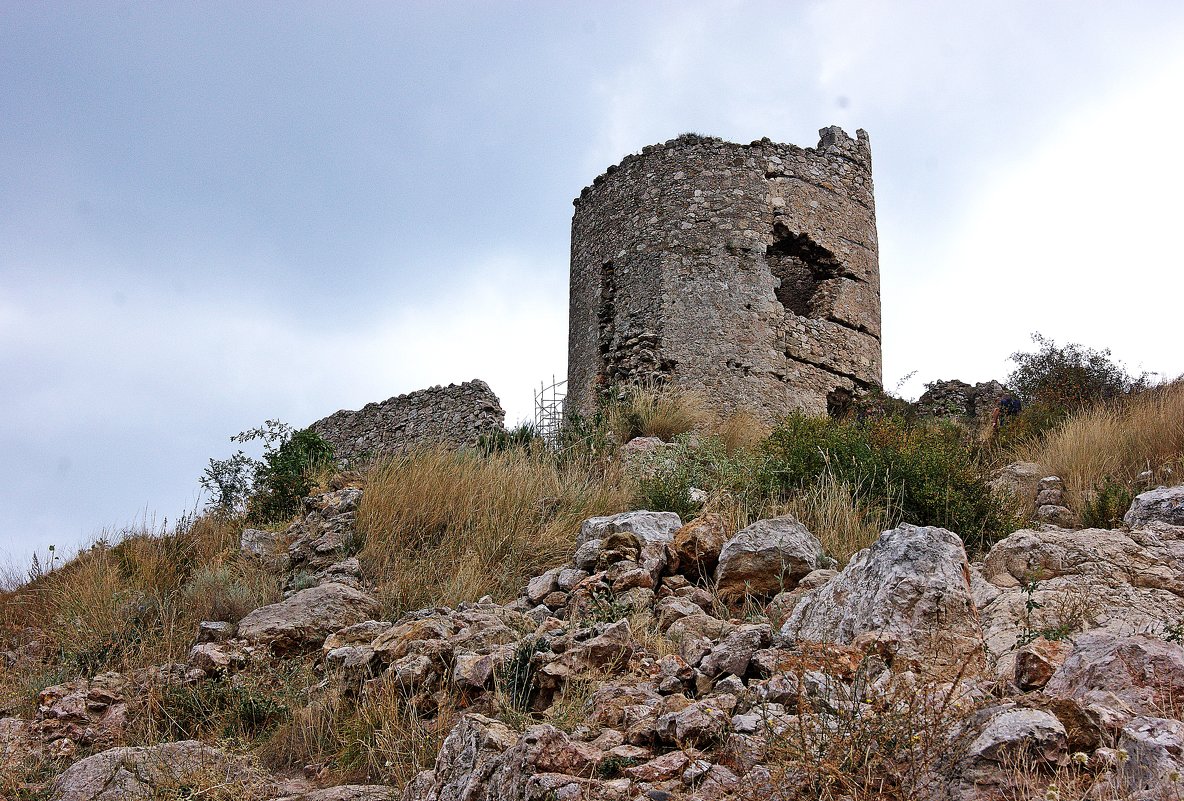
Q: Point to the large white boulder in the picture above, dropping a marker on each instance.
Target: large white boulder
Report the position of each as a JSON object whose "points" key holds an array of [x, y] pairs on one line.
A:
{"points": [[910, 589], [307, 618], [1163, 505]]}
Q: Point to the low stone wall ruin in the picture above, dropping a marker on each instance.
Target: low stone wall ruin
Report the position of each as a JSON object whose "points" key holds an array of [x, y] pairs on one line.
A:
{"points": [[456, 415]]}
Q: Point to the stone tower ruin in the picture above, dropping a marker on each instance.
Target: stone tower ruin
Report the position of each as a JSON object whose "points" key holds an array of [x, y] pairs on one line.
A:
{"points": [[748, 274]]}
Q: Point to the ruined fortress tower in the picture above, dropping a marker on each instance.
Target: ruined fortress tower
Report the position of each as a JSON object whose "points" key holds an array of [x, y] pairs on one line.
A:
{"points": [[746, 273]]}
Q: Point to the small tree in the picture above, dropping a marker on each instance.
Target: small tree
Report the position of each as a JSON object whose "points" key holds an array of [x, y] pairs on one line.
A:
{"points": [[1064, 379], [267, 489]]}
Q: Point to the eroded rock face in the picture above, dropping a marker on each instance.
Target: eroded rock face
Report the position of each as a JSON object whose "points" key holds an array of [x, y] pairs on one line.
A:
{"points": [[910, 589], [303, 621], [145, 774], [82, 713], [1155, 756], [1163, 505], [1124, 675], [1120, 582], [467, 760], [766, 558]]}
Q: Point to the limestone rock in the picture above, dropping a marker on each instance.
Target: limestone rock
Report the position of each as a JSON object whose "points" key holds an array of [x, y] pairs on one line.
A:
{"points": [[1004, 736], [734, 651], [1019, 480], [217, 657], [304, 620], [266, 545], [911, 588], [467, 760], [1120, 582], [697, 545], [214, 631], [542, 749], [144, 774], [1155, 752], [768, 557], [648, 527], [1142, 673], [1057, 515], [1163, 505], [1037, 661]]}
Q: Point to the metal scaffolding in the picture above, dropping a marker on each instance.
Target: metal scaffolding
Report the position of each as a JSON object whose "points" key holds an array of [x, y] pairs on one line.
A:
{"points": [[548, 409]]}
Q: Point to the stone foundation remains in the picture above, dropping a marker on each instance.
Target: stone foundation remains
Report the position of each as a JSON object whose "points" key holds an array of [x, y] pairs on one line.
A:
{"points": [[457, 415], [748, 274]]}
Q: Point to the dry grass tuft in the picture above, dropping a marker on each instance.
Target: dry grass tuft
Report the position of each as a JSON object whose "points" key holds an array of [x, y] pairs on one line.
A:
{"points": [[379, 737], [1116, 441], [831, 508], [657, 412], [835, 513], [441, 527], [131, 600], [740, 432]]}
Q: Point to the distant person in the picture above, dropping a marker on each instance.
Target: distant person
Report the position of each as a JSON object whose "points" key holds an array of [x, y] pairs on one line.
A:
{"points": [[1007, 408]]}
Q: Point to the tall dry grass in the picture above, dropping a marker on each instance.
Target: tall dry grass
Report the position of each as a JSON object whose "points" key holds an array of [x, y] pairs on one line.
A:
{"points": [[831, 508], [661, 412], [441, 526], [131, 600], [379, 736], [1116, 441]]}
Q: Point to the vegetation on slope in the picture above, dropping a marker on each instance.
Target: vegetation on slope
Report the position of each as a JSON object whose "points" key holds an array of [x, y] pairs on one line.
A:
{"points": [[442, 527]]}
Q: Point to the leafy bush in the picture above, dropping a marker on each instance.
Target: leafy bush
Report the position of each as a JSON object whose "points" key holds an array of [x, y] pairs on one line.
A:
{"points": [[921, 474], [1107, 505], [244, 707], [523, 436], [269, 490], [665, 478], [1069, 378]]}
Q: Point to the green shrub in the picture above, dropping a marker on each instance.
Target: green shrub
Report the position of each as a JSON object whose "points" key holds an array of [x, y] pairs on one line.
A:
{"points": [[243, 707], [1106, 506], [523, 436], [664, 479], [1065, 379], [270, 489], [926, 474]]}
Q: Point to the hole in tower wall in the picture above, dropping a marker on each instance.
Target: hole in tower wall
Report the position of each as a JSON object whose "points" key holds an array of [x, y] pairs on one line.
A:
{"points": [[838, 402], [800, 265]]}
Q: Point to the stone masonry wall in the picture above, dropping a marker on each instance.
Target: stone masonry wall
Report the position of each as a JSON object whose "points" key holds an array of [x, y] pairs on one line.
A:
{"points": [[746, 273], [455, 415]]}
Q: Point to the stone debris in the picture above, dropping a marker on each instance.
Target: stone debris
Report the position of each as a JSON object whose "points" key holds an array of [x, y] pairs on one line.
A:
{"points": [[678, 698]]}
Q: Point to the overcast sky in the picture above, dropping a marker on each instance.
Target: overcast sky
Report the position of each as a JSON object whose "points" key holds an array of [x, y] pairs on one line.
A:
{"points": [[212, 214]]}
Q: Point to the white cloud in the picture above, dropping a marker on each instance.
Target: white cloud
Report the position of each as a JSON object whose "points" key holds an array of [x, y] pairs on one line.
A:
{"points": [[1077, 239]]}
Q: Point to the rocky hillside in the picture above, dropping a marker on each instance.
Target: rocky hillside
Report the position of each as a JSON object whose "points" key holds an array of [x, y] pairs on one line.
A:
{"points": [[666, 661]]}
